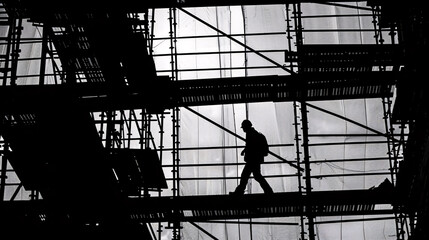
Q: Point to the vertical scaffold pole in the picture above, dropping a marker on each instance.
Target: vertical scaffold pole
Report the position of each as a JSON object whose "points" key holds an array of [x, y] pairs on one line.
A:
{"points": [[304, 125], [295, 113], [150, 29], [308, 187], [176, 226], [298, 161]]}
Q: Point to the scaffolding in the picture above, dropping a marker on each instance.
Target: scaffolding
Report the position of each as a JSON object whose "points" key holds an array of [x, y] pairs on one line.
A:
{"points": [[131, 122]]}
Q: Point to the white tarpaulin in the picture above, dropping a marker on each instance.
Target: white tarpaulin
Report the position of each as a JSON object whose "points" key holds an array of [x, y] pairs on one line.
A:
{"points": [[263, 28], [211, 163]]}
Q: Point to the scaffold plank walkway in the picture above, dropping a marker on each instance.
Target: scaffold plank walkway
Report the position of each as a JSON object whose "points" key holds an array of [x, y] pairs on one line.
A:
{"points": [[93, 97], [200, 208], [215, 207], [310, 87]]}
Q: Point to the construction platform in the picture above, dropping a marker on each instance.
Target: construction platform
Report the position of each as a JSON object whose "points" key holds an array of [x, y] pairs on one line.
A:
{"points": [[93, 97], [201, 208], [213, 207]]}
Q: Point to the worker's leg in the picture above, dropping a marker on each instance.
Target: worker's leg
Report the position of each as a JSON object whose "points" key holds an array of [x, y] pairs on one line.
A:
{"points": [[245, 174], [256, 169]]}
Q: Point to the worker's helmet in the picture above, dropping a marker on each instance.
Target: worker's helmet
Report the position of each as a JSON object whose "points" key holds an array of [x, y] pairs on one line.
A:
{"points": [[246, 123]]}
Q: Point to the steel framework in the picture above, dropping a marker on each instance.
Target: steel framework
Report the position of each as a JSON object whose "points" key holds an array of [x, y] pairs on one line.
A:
{"points": [[126, 116]]}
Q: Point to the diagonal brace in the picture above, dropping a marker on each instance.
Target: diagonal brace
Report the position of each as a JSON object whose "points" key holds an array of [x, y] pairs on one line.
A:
{"points": [[203, 230], [238, 42], [354, 122]]}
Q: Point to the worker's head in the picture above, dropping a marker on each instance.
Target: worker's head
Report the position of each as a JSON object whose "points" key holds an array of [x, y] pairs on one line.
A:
{"points": [[246, 125]]}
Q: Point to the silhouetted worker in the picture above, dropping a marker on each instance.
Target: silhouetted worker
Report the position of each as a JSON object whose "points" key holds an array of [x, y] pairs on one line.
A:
{"points": [[254, 152]]}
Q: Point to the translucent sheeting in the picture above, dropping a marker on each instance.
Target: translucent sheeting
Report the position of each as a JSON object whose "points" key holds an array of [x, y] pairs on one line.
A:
{"points": [[270, 20], [215, 175], [366, 112], [211, 161]]}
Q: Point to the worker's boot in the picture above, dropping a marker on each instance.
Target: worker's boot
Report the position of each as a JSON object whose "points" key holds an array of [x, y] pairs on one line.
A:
{"points": [[238, 191]]}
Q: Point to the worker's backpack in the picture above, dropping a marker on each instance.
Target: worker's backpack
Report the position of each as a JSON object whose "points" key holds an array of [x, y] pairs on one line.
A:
{"points": [[263, 144]]}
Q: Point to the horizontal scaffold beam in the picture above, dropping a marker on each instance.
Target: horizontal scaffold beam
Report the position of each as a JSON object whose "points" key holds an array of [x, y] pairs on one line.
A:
{"points": [[300, 87], [98, 97], [212, 207], [200, 208]]}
